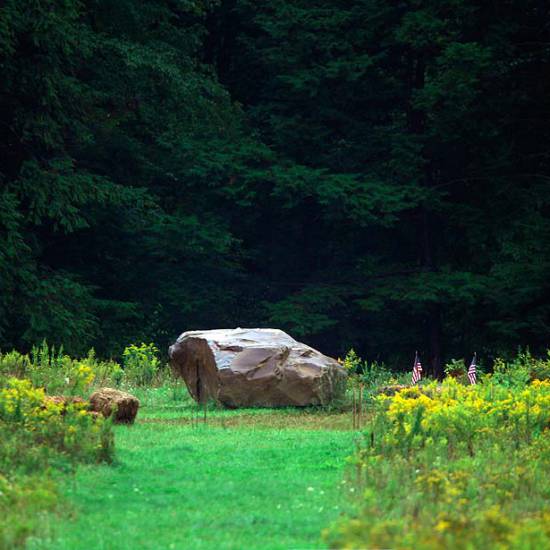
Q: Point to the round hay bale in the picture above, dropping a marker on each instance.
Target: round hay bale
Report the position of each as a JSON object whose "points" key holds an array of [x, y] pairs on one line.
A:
{"points": [[122, 406]]}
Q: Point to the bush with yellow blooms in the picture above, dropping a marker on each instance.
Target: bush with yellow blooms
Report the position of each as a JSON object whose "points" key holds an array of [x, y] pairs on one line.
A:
{"points": [[39, 435], [453, 466], [50, 368]]}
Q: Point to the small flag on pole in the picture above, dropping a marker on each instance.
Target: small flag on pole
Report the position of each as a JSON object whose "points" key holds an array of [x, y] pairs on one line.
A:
{"points": [[472, 371], [417, 370]]}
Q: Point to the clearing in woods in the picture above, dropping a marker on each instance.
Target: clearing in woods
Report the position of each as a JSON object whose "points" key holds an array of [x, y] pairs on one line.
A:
{"points": [[247, 479]]}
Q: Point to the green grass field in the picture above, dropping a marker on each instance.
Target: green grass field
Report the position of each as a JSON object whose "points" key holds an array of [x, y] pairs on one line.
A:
{"points": [[245, 479], [435, 466]]}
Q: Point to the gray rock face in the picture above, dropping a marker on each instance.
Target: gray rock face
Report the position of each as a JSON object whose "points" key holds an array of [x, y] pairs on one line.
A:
{"points": [[255, 368]]}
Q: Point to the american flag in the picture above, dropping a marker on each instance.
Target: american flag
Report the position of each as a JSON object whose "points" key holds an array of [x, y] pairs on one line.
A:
{"points": [[472, 371], [417, 369]]}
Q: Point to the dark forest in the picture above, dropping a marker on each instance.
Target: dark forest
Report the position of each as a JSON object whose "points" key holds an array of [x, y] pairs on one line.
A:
{"points": [[366, 173]]}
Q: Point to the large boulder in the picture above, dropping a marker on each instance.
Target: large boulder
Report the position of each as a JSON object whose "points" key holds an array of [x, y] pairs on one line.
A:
{"points": [[122, 405], [255, 367]]}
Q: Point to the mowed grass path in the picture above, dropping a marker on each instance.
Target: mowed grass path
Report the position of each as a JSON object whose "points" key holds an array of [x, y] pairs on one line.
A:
{"points": [[227, 484]]}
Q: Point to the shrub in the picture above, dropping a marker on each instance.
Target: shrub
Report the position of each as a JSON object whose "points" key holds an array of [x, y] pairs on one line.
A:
{"points": [[65, 427], [104, 372], [14, 364], [523, 368], [456, 368], [453, 466], [513, 374], [362, 372], [368, 375], [38, 435], [352, 363], [58, 373], [141, 363], [22, 501], [376, 374]]}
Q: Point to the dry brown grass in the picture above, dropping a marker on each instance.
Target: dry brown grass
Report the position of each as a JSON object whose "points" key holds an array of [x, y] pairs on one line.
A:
{"points": [[340, 421]]}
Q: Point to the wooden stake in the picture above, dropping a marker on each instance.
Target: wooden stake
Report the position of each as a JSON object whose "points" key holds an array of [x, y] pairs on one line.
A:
{"points": [[360, 405], [354, 409], [358, 464]]}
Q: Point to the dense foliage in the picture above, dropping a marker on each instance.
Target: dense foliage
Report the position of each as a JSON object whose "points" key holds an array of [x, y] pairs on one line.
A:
{"points": [[59, 373], [453, 466], [39, 437], [355, 172], [46, 426]]}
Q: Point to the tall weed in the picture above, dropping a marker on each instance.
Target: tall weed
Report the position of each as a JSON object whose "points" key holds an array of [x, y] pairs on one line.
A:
{"points": [[39, 435], [453, 466]]}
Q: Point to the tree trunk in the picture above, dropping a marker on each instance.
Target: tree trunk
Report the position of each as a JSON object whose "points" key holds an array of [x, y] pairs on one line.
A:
{"points": [[417, 121], [434, 309]]}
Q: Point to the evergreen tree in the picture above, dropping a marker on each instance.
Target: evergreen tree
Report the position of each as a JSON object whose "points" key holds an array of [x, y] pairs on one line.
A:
{"points": [[360, 173]]}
